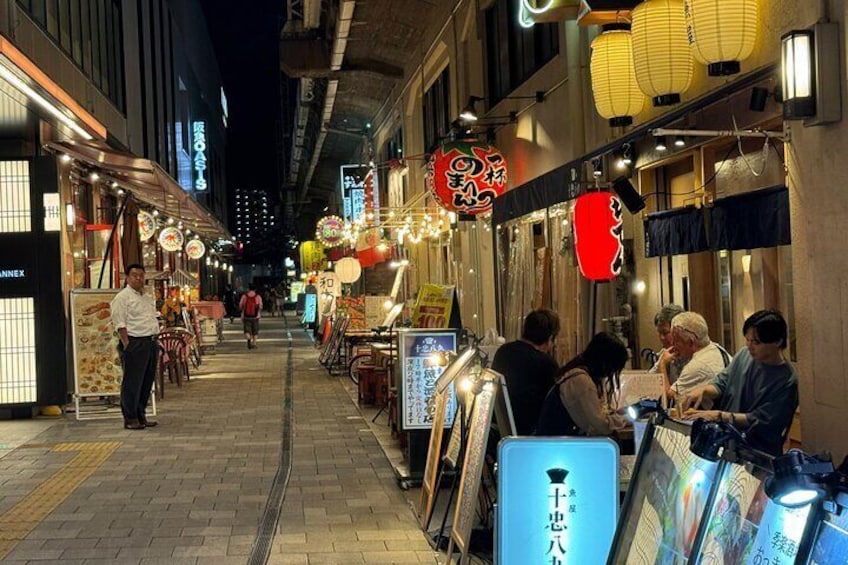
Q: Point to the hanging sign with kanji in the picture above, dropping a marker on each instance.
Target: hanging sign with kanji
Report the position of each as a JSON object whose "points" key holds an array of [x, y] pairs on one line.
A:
{"points": [[466, 176]]}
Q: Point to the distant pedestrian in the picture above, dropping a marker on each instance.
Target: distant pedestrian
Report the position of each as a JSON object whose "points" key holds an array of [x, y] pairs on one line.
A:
{"points": [[134, 318], [251, 310], [231, 303]]}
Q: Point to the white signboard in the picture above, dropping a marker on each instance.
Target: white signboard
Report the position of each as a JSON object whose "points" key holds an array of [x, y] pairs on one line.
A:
{"points": [[419, 374], [52, 212]]}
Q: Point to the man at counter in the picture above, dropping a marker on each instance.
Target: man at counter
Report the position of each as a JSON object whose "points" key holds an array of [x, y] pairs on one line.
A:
{"points": [[529, 368], [758, 391], [701, 357], [667, 363], [134, 318]]}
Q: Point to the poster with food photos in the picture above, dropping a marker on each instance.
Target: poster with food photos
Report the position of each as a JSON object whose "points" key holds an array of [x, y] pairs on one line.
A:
{"points": [[420, 358], [97, 361]]}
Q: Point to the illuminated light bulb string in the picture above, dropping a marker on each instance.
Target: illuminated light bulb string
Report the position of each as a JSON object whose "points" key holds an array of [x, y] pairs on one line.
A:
{"points": [[214, 256]]}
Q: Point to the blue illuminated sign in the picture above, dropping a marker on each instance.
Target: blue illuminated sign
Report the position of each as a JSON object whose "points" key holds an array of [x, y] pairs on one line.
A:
{"points": [[198, 132], [310, 309], [557, 500], [12, 274]]}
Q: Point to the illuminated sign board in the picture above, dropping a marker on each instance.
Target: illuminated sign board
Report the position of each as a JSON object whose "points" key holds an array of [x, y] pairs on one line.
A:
{"points": [[12, 274], [198, 133], [52, 212], [418, 376], [557, 500], [353, 179]]}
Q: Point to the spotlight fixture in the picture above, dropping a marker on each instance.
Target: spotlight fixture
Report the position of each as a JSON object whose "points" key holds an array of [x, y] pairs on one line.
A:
{"points": [[798, 479], [631, 198], [679, 141], [469, 113], [65, 158], [627, 154], [643, 408], [709, 439], [94, 177], [659, 143]]}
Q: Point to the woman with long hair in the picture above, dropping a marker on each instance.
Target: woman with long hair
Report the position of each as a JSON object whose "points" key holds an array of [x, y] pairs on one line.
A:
{"points": [[581, 402]]}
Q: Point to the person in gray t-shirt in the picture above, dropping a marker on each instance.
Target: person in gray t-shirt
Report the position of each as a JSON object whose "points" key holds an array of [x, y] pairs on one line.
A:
{"points": [[758, 391]]}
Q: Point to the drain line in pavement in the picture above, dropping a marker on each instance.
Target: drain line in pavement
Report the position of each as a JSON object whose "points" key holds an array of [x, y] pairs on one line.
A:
{"points": [[261, 550]]}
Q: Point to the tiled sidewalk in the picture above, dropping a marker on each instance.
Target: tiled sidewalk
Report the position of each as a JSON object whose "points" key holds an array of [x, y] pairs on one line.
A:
{"points": [[193, 489]]}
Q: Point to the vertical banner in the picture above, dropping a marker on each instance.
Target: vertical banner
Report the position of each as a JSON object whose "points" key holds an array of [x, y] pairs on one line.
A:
{"points": [[433, 307], [557, 500], [352, 182]]}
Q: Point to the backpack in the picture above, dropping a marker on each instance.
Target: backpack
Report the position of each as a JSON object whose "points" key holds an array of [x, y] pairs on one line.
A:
{"points": [[250, 304]]}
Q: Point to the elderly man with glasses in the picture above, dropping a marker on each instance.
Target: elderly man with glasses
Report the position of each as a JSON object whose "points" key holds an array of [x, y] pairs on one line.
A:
{"points": [[703, 359]]}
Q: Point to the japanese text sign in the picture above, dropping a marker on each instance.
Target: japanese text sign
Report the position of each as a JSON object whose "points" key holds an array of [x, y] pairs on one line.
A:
{"points": [[466, 176], [418, 376]]}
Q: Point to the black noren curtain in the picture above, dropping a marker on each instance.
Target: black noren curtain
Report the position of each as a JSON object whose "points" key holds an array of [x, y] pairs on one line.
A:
{"points": [[675, 232], [751, 220]]}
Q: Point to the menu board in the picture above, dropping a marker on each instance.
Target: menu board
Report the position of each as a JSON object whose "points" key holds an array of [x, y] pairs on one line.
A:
{"points": [[310, 309], [830, 546], [665, 502], [636, 385], [746, 527], [418, 376], [375, 311], [479, 424], [97, 361]]}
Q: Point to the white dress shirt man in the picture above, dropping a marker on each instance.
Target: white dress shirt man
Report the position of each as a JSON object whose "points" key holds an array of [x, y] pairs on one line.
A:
{"points": [[134, 318], [703, 359]]}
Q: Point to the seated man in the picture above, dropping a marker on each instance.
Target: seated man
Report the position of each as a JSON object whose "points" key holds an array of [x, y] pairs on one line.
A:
{"points": [[758, 391], [529, 368], [702, 358], [666, 363]]}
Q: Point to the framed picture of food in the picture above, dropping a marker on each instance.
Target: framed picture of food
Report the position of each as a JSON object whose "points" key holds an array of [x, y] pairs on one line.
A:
{"points": [[97, 361]]}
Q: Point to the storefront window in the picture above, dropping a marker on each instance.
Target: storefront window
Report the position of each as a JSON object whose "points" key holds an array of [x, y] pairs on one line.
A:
{"points": [[15, 207], [17, 350]]}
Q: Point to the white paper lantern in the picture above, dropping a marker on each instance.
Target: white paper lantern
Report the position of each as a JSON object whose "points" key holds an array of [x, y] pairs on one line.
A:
{"points": [[348, 269], [722, 32]]}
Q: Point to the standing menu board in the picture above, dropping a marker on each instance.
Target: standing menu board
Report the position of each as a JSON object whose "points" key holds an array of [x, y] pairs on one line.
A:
{"points": [[434, 451], [666, 500], [418, 376], [97, 361], [744, 526], [479, 424], [557, 500], [310, 309], [830, 546]]}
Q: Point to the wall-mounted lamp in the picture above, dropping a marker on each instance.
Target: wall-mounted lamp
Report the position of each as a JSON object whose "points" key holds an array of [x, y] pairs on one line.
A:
{"points": [[660, 144], [679, 141], [798, 479], [597, 167], [469, 113], [70, 216], [811, 74]]}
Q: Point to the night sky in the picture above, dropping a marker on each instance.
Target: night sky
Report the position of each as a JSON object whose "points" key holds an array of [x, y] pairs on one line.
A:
{"points": [[245, 34]]}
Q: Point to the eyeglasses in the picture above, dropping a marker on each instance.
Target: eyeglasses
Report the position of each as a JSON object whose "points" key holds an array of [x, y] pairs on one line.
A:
{"points": [[690, 332]]}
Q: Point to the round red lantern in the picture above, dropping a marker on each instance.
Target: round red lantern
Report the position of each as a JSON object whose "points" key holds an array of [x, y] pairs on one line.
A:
{"points": [[597, 236], [466, 176]]}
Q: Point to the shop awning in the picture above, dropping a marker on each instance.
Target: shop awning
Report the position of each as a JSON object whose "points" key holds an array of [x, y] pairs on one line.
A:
{"points": [[147, 181], [675, 232]]}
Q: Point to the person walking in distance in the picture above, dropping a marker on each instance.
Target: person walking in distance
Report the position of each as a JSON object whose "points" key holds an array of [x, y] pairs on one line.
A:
{"points": [[134, 318], [251, 310]]}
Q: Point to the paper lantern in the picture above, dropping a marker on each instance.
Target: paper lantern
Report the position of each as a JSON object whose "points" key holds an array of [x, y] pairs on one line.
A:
{"points": [[661, 55], [466, 176], [349, 270], [330, 231], [146, 225], [195, 249], [617, 95], [171, 239], [722, 32], [597, 236]]}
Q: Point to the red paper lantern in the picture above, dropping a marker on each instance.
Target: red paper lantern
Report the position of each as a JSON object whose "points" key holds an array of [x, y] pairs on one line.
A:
{"points": [[466, 176], [597, 236]]}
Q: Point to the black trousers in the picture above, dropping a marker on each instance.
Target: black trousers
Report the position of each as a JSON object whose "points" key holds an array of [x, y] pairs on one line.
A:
{"points": [[139, 360]]}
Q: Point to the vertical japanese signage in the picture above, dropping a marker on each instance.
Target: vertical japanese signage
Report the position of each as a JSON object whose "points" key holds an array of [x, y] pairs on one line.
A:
{"points": [[354, 183], [418, 376], [52, 212], [198, 141], [557, 500]]}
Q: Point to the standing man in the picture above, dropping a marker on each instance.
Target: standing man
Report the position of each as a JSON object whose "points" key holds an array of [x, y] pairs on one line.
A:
{"points": [[251, 310], [134, 318], [529, 368]]}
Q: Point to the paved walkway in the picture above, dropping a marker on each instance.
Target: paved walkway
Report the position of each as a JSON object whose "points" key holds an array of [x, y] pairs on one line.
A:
{"points": [[198, 488]]}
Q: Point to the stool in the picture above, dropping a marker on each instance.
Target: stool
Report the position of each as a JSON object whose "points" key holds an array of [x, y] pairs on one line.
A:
{"points": [[367, 384]]}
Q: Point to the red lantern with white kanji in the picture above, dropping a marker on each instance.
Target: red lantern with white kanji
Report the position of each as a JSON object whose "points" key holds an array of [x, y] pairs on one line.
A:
{"points": [[466, 176], [597, 236]]}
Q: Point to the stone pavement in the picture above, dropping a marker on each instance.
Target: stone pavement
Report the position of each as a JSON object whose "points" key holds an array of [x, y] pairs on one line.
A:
{"points": [[195, 488]]}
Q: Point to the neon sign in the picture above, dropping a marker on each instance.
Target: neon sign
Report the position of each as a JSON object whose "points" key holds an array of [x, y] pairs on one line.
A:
{"points": [[529, 8], [199, 145]]}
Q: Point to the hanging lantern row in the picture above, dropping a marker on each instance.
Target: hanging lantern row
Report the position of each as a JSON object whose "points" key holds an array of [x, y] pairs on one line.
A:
{"points": [[656, 54]]}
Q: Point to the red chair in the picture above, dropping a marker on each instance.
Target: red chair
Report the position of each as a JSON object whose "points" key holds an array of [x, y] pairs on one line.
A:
{"points": [[173, 358]]}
